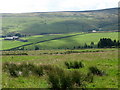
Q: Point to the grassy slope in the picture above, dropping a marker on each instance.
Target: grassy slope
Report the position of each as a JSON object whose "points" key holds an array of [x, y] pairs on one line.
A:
{"points": [[60, 22], [31, 39], [60, 43], [75, 40], [107, 61]]}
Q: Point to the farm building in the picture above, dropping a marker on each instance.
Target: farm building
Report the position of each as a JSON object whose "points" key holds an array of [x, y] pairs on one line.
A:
{"points": [[8, 38], [94, 31], [11, 38]]}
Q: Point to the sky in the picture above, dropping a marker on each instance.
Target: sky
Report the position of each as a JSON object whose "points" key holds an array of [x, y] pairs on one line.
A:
{"points": [[22, 6]]}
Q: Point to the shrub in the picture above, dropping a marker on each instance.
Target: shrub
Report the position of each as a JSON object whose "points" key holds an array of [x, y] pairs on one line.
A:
{"points": [[96, 71]]}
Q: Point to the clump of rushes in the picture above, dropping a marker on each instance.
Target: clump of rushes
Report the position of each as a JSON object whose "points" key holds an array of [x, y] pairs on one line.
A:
{"points": [[22, 69], [94, 70], [59, 78], [74, 65]]}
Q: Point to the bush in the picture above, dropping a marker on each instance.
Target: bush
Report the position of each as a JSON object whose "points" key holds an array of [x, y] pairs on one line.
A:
{"points": [[96, 71], [75, 64]]}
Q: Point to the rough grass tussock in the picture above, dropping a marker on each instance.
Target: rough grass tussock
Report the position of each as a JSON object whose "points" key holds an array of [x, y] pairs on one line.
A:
{"points": [[74, 65], [59, 78], [22, 69]]}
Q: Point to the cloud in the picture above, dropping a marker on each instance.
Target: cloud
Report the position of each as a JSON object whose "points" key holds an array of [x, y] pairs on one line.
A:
{"points": [[89, 4], [18, 6]]}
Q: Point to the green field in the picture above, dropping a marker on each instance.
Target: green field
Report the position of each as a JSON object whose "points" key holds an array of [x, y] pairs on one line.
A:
{"points": [[104, 59], [78, 40], [6, 44], [67, 42]]}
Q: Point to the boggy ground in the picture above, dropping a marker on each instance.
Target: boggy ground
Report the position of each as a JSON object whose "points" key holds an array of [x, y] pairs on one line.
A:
{"points": [[104, 59]]}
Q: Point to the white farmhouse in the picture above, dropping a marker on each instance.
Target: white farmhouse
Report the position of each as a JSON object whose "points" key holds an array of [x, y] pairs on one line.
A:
{"points": [[11, 38], [94, 31], [8, 38]]}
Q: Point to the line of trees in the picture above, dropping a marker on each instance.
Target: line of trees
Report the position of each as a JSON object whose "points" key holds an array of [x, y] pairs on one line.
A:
{"points": [[108, 43], [103, 43]]}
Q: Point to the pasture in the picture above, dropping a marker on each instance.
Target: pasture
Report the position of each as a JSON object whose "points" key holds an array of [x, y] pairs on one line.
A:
{"points": [[104, 59], [8, 44], [55, 41], [78, 40]]}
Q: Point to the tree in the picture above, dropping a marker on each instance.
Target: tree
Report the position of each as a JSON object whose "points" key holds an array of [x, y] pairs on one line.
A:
{"points": [[74, 47], [105, 43], [36, 48]]}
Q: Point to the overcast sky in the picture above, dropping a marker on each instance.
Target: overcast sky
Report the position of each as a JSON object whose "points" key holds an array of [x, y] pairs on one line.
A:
{"points": [[20, 6]]}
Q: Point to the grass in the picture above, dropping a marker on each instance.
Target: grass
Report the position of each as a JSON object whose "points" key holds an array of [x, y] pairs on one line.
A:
{"points": [[11, 44], [106, 61], [6, 44], [67, 42], [78, 40]]}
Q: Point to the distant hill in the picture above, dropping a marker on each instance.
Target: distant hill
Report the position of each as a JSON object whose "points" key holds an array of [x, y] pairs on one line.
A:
{"points": [[60, 22]]}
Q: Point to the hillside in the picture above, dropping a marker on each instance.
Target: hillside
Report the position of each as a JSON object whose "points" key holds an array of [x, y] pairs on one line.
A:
{"points": [[60, 22], [57, 41]]}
